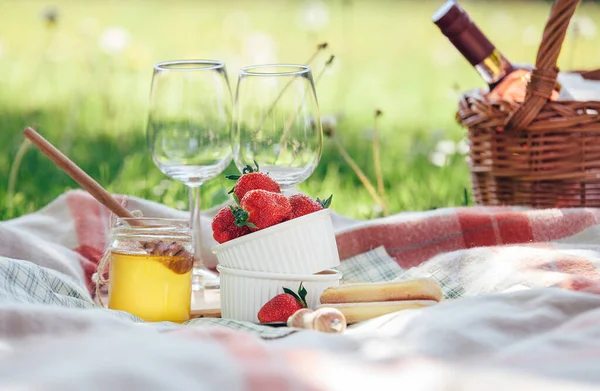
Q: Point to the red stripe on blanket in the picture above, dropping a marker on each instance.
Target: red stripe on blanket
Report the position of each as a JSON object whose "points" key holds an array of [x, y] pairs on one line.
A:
{"points": [[554, 224], [581, 284], [477, 229], [578, 266], [413, 242], [89, 218], [514, 228], [489, 229], [89, 258], [410, 243], [584, 274]]}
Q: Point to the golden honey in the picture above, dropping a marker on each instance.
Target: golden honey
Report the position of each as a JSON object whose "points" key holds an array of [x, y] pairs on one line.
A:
{"points": [[145, 285]]}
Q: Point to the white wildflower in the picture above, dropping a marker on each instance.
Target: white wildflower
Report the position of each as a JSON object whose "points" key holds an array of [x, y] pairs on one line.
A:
{"points": [[446, 147], [161, 188], [462, 147], [158, 190], [438, 159], [259, 48], [114, 40], [377, 210], [314, 16]]}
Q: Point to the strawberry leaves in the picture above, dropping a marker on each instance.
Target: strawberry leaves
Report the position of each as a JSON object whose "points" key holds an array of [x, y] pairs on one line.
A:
{"points": [[246, 170], [241, 217], [300, 296], [325, 203]]}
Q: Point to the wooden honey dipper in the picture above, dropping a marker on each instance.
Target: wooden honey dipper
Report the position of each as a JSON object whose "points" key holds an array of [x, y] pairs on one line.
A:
{"points": [[78, 175], [185, 262]]}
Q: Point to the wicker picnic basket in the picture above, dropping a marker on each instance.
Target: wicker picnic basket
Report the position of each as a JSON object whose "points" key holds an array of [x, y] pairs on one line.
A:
{"points": [[540, 153]]}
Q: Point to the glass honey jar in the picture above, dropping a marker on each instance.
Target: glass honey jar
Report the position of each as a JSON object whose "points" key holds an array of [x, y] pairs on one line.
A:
{"points": [[150, 272]]}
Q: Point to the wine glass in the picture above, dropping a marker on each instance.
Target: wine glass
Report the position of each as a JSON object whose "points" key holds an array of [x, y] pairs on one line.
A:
{"points": [[189, 134], [277, 123]]}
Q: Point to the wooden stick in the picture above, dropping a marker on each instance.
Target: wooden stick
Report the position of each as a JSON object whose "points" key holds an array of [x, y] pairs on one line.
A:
{"points": [[78, 175], [377, 161], [182, 265]]}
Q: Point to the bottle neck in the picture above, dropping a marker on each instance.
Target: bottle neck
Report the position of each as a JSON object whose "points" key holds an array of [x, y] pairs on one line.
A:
{"points": [[494, 68], [470, 41]]}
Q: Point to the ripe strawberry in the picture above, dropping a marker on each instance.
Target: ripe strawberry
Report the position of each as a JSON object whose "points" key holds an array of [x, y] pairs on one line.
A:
{"points": [[303, 205], [282, 306], [261, 209], [224, 227], [252, 179]]}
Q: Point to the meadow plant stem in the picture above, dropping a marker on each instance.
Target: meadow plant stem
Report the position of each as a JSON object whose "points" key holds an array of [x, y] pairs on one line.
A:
{"points": [[359, 173], [320, 47], [377, 161], [12, 179], [322, 71], [290, 122]]}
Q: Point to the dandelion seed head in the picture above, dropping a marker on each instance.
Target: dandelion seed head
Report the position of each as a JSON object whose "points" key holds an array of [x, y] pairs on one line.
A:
{"points": [[438, 159], [314, 15], [446, 147], [114, 40]]}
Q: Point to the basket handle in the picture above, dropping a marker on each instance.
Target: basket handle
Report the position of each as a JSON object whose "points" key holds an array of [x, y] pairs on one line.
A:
{"points": [[543, 77]]}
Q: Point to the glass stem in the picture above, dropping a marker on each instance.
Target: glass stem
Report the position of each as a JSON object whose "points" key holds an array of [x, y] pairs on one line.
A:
{"points": [[195, 223]]}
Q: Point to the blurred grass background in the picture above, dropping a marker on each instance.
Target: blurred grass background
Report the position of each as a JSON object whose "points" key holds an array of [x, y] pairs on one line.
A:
{"points": [[79, 72]]}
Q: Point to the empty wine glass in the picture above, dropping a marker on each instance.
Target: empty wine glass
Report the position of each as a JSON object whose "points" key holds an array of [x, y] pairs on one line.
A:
{"points": [[277, 122], [189, 134]]}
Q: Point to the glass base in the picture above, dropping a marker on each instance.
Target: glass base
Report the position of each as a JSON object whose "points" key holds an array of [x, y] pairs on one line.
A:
{"points": [[202, 278]]}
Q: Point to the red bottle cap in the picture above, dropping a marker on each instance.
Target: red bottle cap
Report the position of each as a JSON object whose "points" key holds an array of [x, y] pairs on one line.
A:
{"points": [[455, 24]]}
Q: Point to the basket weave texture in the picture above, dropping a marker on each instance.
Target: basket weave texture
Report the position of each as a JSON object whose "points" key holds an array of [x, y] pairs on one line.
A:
{"points": [[540, 153]]}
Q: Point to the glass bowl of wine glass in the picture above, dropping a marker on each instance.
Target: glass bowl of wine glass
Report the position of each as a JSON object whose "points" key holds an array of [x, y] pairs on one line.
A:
{"points": [[277, 123]]}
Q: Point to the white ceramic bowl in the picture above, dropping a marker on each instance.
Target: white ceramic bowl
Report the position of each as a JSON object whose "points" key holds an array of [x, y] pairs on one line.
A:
{"points": [[243, 293], [304, 245]]}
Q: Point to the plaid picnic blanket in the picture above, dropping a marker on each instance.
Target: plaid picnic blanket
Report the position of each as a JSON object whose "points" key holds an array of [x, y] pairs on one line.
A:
{"points": [[505, 265]]}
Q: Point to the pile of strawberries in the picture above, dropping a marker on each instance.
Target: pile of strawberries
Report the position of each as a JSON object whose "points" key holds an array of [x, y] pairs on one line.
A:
{"points": [[259, 205]]}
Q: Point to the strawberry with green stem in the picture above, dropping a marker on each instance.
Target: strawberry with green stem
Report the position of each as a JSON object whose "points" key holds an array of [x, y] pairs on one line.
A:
{"points": [[282, 306], [260, 209], [224, 227], [252, 179], [303, 204]]}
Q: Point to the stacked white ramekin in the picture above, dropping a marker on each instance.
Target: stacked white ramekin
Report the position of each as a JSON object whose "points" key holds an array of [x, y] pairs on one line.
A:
{"points": [[256, 267]]}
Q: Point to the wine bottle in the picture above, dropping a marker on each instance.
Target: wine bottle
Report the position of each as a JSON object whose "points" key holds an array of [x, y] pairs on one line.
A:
{"points": [[458, 27], [506, 81]]}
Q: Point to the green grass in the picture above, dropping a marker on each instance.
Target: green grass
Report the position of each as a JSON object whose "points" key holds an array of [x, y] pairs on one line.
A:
{"points": [[93, 105]]}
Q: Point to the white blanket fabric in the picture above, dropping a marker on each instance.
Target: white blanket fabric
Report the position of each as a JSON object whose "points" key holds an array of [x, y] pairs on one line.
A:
{"points": [[514, 335], [537, 339]]}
